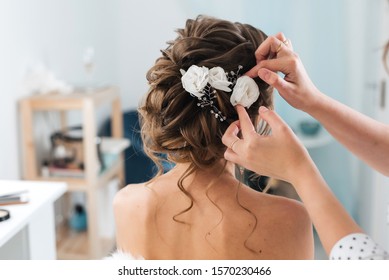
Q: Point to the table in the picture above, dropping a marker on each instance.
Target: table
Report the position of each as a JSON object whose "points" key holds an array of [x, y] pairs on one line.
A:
{"points": [[36, 218]]}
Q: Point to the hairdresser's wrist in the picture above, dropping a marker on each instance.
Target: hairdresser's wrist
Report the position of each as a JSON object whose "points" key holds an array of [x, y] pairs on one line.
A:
{"points": [[316, 102], [303, 173], [312, 101]]}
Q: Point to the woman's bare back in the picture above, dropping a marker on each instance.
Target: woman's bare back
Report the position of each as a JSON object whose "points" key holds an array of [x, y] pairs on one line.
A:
{"points": [[226, 221]]}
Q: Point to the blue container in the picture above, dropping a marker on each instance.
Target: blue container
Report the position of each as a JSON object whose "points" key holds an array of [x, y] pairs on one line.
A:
{"points": [[310, 128], [78, 220]]}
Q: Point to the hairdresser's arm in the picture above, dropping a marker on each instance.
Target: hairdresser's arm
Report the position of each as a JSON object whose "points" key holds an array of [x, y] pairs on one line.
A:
{"points": [[366, 138], [282, 156]]}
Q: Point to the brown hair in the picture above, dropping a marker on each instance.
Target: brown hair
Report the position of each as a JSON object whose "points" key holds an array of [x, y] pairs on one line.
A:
{"points": [[172, 123]]}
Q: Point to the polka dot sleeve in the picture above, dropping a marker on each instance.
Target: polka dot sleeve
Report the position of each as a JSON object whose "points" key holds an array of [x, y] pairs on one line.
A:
{"points": [[357, 246]]}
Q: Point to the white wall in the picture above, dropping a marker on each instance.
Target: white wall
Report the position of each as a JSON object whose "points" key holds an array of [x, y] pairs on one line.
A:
{"points": [[55, 33], [357, 97], [144, 27], [125, 34]]}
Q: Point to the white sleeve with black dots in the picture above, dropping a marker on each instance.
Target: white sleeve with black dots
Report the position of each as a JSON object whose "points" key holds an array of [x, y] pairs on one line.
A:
{"points": [[357, 246]]}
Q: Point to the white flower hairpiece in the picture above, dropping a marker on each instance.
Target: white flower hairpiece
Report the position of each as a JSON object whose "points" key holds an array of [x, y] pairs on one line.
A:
{"points": [[202, 83], [245, 92]]}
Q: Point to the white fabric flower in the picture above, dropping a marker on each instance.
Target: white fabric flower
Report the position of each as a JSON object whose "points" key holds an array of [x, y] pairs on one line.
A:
{"points": [[195, 79], [245, 92], [218, 79]]}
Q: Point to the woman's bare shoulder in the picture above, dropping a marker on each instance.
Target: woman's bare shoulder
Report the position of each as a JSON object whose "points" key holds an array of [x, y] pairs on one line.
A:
{"points": [[295, 224], [294, 212], [133, 197], [135, 204], [277, 204], [133, 209], [290, 211], [288, 224]]}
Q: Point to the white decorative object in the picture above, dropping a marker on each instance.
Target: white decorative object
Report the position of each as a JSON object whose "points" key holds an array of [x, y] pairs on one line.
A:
{"points": [[195, 79], [245, 92], [218, 79], [40, 80]]}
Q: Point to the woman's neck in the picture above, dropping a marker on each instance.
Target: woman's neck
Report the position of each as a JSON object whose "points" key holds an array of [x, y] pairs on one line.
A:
{"points": [[219, 174], [221, 168]]}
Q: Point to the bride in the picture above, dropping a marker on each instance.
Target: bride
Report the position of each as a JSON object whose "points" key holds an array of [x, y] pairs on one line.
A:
{"points": [[200, 209]]}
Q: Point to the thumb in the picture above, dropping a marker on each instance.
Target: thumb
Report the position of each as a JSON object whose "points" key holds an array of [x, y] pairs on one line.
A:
{"points": [[272, 118], [272, 79]]}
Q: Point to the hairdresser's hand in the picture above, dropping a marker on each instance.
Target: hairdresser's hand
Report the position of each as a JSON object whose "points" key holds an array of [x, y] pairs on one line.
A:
{"points": [[279, 155], [276, 54]]}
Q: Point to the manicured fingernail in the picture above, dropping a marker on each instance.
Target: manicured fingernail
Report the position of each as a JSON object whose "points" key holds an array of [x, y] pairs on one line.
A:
{"points": [[263, 109]]}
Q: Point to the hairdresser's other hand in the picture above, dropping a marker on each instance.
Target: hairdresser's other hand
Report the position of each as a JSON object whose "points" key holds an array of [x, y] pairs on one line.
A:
{"points": [[279, 155], [276, 54]]}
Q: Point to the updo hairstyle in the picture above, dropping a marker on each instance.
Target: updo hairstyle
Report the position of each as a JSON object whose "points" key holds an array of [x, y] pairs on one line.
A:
{"points": [[171, 121]]}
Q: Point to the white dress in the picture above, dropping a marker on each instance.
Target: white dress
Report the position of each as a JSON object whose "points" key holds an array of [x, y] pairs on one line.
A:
{"points": [[357, 246], [120, 255]]}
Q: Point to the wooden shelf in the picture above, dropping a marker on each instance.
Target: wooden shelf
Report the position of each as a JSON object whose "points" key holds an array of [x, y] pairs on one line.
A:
{"points": [[71, 245], [72, 101], [79, 184]]}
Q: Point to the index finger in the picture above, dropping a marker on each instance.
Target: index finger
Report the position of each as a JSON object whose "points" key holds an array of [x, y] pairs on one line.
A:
{"points": [[269, 47], [246, 125]]}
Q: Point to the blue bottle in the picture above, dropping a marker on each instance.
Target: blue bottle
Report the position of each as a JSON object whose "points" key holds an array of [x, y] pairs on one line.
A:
{"points": [[78, 220]]}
